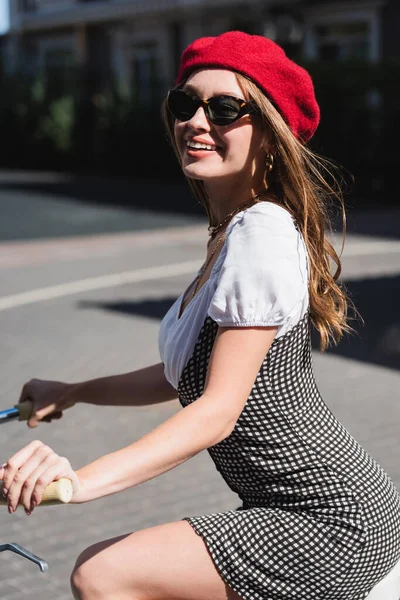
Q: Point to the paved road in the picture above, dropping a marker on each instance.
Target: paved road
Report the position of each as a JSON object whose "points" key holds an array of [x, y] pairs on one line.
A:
{"points": [[36, 205], [78, 306]]}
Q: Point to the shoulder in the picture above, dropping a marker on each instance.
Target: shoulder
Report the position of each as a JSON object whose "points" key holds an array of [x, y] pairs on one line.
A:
{"points": [[267, 212], [262, 218], [264, 227], [262, 278]]}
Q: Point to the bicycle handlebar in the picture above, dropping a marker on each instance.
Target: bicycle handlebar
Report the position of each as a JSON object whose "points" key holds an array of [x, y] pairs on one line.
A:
{"points": [[21, 411], [58, 492], [25, 410]]}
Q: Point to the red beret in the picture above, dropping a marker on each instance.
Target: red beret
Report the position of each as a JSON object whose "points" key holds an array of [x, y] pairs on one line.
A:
{"points": [[287, 85]]}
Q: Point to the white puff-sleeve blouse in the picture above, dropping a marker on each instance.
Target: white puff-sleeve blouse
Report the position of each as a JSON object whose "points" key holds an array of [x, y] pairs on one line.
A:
{"points": [[260, 279]]}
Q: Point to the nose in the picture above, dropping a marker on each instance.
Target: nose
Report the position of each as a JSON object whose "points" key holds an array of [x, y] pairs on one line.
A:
{"points": [[199, 120]]}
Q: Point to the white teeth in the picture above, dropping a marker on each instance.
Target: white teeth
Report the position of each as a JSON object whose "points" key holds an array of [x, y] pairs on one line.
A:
{"points": [[200, 146]]}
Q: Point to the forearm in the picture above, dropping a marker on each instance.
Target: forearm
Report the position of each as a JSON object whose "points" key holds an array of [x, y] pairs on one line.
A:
{"points": [[138, 388], [175, 441]]}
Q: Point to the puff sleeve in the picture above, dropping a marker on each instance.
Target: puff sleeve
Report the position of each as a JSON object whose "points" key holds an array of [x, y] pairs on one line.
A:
{"points": [[263, 279]]}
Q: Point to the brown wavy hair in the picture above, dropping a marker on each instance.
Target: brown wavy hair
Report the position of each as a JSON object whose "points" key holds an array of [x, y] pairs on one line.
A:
{"points": [[307, 185]]}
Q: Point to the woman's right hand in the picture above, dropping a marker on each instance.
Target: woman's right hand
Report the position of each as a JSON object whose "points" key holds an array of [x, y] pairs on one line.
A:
{"points": [[49, 399]]}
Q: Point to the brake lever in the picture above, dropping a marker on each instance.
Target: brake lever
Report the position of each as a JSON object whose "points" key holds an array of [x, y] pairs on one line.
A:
{"points": [[42, 564]]}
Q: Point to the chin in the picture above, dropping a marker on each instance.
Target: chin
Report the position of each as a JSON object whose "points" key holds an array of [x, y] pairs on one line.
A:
{"points": [[194, 172], [202, 172]]}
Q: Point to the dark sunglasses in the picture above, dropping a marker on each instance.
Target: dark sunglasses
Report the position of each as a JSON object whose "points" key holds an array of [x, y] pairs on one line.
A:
{"points": [[220, 110]]}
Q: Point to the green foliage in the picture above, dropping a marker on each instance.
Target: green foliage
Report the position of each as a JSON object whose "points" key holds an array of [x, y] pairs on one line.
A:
{"points": [[56, 126], [47, 124]]}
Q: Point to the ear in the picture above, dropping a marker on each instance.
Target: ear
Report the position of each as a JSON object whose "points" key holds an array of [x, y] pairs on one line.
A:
{"points": [[266, 144]]}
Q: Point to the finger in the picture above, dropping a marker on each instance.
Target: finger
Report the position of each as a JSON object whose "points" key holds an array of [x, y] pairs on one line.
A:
{"points": [[18, 460], [34, 422], [55, 415], [46, 410], [3, 471], [25, 479], [59, 469], [34, 479], [38, 461], [38, 415]]}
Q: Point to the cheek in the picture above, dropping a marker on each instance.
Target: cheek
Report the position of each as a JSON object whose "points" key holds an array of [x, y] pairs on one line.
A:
{"points": [[242, 145], [178, 134]]}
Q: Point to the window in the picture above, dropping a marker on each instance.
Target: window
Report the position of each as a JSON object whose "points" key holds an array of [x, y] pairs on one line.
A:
{"points": [[58, 64], [145, 72], [343, 31], [57, 60], [340, 41]]}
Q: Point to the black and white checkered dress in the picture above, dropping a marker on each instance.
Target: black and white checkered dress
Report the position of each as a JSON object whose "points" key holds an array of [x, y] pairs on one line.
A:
{"points": [[320, 518]]}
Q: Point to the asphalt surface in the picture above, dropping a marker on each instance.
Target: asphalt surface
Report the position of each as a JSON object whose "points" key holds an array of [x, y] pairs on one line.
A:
{"points": [[83, 287]]}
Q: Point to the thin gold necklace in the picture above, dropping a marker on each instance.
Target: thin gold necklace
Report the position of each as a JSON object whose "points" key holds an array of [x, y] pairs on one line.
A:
{"points": [[254, 199]]}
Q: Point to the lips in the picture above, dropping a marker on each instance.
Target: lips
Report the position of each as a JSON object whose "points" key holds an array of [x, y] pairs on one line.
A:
{"points": [[203, 147], [199, 142], [190, 149]]}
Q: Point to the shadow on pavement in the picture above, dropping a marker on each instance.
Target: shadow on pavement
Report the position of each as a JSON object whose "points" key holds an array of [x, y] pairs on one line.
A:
{"points": [[377, 341], [115, 192], [153, 309], [379, 221], [171, 196], [56, 207]]}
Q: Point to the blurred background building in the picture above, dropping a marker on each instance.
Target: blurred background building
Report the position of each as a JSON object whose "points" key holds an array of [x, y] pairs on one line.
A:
{"points": [[81, 70], [140, 41]]}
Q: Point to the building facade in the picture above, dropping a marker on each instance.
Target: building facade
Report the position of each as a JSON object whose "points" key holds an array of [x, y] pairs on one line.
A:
{"points": [[139, 42]]}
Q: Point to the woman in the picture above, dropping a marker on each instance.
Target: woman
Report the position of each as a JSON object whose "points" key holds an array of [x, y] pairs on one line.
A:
{"points": [[319, 517]]}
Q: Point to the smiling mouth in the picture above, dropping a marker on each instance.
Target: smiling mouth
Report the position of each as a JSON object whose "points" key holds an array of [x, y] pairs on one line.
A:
{"points": [[197, 146], [200, 150]]}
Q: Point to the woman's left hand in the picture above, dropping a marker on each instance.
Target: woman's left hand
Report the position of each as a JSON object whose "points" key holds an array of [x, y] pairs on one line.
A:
{"points": [[27, 474]]}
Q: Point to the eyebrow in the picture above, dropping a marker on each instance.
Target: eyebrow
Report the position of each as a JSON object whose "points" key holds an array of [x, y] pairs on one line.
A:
{"points": [[192, 88]]}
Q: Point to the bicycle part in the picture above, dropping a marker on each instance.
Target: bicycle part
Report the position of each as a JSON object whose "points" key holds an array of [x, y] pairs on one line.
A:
{"points": [[42, 564], [58, 492], [21, 411]]}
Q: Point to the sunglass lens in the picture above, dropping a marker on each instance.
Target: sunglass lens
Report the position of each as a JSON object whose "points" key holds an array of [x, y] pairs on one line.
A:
{"points": [[223, 110], [181, 105]]}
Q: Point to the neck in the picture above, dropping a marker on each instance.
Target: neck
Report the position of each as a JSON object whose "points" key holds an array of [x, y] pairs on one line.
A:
{"points": [[224, 199]]}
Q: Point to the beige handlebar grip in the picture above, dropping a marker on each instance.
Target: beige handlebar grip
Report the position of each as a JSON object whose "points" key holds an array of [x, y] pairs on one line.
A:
{"points": [[58, 492], [25, 410]]}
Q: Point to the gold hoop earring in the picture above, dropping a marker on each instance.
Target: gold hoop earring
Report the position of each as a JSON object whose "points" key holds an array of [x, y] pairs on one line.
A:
{"points": [[269, 162]]}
